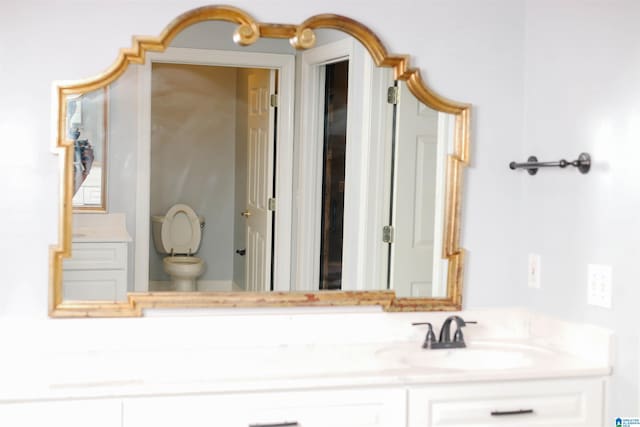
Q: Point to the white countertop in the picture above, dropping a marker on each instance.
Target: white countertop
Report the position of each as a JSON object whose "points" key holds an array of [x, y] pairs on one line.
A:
{"points": [[101, 227], [87, 235], [252, 369]]}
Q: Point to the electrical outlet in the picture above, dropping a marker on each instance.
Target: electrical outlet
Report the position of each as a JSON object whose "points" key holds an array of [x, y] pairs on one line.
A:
{"points": [[533, 272], [599, 285]]}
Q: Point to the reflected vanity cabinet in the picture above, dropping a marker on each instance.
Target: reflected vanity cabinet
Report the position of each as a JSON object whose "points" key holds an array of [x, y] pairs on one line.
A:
{"points": [[96, 271], [98, 268]]}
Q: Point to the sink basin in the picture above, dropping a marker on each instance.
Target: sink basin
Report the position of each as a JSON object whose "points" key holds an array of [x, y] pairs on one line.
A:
{"points": [[468, 359], [476, 356]]}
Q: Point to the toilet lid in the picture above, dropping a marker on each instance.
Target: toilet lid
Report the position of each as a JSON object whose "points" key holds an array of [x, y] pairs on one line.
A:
{"points": [[181, 230]]}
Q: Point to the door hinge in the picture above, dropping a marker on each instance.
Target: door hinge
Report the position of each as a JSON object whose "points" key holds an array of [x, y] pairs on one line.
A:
{"points": [[273, 101], [387, 234], [392, 95], [271, 204]]}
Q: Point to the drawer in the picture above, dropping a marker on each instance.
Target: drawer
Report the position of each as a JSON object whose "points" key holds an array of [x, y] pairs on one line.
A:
{"points": [[94, 285], [97, 256], [573, 402], [340, 408]]}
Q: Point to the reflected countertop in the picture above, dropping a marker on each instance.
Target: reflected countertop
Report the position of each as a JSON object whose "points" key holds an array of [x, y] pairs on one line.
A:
{"points": [[87, 234], [106, 227]]}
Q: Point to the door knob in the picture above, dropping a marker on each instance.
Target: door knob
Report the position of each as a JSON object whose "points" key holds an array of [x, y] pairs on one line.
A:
{"points": [[246, 214]]}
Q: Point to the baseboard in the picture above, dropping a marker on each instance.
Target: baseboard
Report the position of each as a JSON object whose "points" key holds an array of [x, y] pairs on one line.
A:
{"points": [[201, 286], [214, 285]]}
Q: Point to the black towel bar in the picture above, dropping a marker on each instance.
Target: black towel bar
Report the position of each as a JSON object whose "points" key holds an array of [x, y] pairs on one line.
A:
{"points": [[583, 163]]}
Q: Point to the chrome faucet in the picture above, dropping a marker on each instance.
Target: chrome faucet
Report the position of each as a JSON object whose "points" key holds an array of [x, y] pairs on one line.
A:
{"points": [[445, 340]]}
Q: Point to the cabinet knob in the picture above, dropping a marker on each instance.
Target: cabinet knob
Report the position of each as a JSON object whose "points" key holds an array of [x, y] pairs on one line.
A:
{"points": [[246, 214]]}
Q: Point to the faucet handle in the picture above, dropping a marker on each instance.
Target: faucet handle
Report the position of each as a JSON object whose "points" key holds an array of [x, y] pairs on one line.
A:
{"points": [[458, 336], [430, 337]]}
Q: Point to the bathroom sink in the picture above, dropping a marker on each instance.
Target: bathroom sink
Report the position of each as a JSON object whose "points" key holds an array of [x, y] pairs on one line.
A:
{"points": [[475, 357], [468, 359]]}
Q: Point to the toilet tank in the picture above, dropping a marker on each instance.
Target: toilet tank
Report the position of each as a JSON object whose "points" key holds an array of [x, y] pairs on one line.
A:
{"points": [[156, 230]]}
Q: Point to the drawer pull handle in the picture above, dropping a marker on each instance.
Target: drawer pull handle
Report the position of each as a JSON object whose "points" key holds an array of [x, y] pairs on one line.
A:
{"points": [[284, 424], [518, 412]]}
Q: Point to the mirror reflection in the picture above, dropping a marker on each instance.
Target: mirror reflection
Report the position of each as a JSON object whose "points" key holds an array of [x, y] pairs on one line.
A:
{"points": [[86, 123], [262, 168], [212, 172]]}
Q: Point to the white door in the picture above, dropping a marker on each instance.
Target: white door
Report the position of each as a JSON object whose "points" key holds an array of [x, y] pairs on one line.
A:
{"points": [[414, 201], [259, 179]]}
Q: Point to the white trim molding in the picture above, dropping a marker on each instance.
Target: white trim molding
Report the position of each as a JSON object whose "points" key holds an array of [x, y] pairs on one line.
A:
{"points": [[446, 132], [365, 152]]}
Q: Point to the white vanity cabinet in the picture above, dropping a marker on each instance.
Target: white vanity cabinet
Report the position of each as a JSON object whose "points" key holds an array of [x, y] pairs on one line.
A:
{"points": [[571, 402], [98, 267], [575, 402], [79, 413], [96, 271], [335, 408]]}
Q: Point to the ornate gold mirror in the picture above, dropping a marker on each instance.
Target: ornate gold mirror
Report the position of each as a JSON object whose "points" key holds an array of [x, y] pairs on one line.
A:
{"points": [[257, 164]]}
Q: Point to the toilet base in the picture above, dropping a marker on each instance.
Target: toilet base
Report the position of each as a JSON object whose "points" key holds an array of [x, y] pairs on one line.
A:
{"points": [[184, 285], [183, 271]]}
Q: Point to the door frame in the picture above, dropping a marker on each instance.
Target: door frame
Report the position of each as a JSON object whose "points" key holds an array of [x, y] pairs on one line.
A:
{"points": [[364, 255], [445, 141], [285, 64]]}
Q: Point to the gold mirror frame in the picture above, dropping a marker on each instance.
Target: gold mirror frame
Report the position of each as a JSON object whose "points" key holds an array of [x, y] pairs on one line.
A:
{"points": [[301, 37]]}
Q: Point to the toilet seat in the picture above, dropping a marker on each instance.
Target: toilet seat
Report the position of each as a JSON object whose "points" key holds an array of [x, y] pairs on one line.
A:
{"points": [[181, 230]]}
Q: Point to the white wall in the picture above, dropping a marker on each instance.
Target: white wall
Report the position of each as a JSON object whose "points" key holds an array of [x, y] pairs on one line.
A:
{"points": [[481, 60], [122, 163], [582, 93]]}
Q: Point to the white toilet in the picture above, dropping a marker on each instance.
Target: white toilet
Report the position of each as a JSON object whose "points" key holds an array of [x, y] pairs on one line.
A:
{"points": [[178, 234]]}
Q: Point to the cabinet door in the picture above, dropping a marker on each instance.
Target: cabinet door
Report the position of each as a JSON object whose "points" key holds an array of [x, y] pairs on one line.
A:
{"points": [[557, 403], [96, 272], [342, 408], [98, 413], [95, 285]]}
